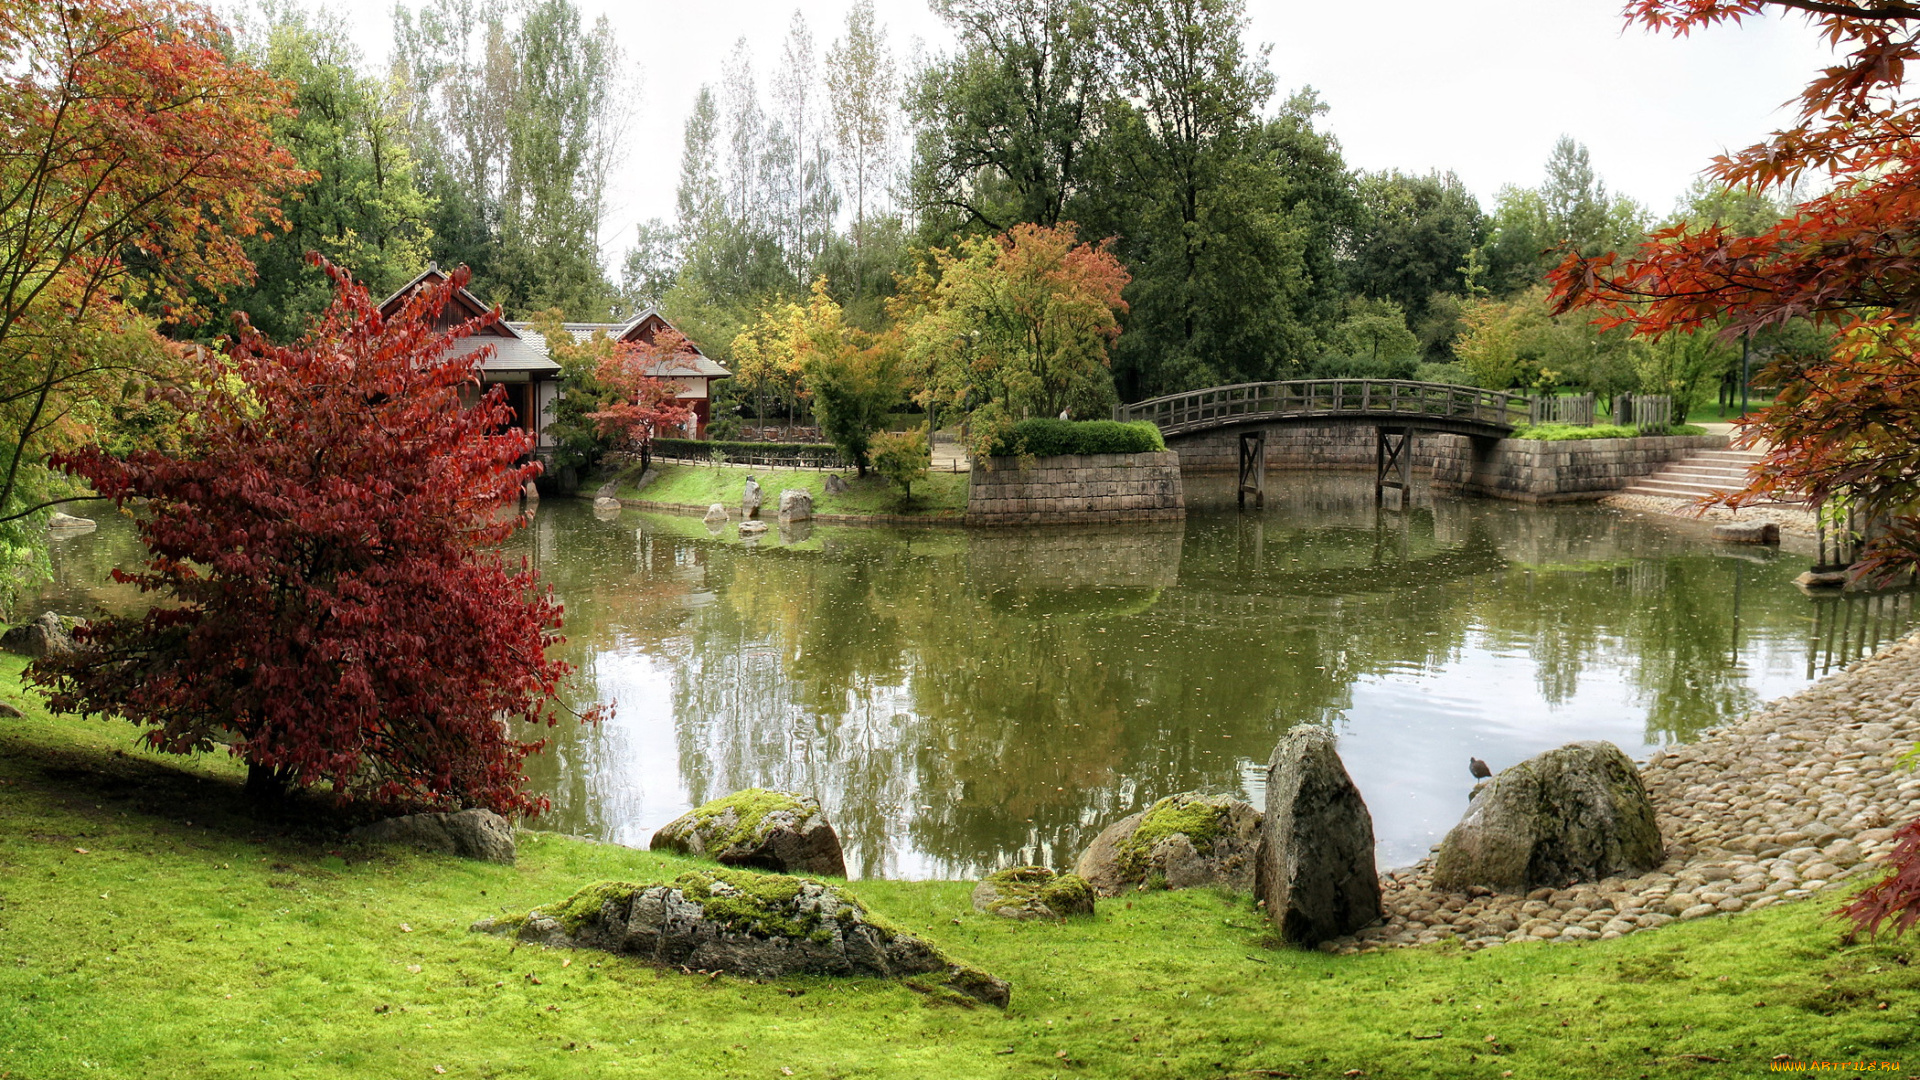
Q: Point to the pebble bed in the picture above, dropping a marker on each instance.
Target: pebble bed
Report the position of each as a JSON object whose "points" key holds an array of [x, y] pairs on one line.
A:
{"points": [[1800, 797]]}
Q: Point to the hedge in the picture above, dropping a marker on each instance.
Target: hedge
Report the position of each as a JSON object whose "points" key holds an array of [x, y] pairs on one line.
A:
{"points": [[1049, 438], [771, 454]]}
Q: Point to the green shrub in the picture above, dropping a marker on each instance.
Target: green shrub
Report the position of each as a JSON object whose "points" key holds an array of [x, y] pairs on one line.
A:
{"points": [[1567, 432], [1564, 432], [901, 456], [1048, 438]]}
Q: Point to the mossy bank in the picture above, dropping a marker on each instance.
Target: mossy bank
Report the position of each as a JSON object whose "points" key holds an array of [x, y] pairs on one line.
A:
{"points": [[148, 929]]}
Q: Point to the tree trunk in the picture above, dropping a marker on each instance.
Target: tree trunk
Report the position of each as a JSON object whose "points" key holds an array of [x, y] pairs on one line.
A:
{"points": [[266, 790]]}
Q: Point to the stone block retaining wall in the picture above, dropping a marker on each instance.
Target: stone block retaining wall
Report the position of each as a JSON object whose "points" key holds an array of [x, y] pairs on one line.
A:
{"points": [[1291, 446], [1076, 489], [1527, 470]]}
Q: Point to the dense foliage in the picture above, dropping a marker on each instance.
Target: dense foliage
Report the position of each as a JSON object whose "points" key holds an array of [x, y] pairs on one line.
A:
{"points": [[137, 161], [1042, 437], [1846, 428], [334, 609]]}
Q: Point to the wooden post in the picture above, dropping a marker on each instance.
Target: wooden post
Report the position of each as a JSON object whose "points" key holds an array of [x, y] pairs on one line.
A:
{"points": [[1391, 456], [1253, 468]]}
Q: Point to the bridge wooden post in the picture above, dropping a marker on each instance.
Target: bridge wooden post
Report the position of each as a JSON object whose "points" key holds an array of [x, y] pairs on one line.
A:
{"points": [[1393, 455], [1253, 467]]}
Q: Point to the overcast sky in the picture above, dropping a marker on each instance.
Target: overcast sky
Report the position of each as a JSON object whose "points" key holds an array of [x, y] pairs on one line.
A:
{"points": [[1479, 87]]}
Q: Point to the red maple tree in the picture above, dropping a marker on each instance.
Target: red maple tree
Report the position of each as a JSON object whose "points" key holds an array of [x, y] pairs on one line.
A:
{"points": [[137, 158], [640, 398], [333, 605], [1846, 426]]}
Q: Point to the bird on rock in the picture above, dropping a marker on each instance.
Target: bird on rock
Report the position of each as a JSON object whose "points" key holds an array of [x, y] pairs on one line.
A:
{"points": [[1479, 769]]}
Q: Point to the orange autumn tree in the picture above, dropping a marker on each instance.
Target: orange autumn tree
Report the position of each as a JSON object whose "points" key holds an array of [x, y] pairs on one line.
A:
{"points": [[1846, 427], [137, 158], [1015, 326]]}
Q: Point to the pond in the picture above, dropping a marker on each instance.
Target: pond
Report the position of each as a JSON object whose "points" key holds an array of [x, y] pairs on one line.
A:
{"points": [[964, 699]]}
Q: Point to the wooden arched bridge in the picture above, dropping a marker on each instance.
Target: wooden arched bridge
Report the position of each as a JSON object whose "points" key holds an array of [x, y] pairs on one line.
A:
{"points": [[1396, 409]]}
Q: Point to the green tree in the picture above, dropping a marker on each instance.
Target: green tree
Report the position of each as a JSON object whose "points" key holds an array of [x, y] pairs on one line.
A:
{"points": [[363, 208], [1413, 239], [1014, 326], [861, 86], [855, 382], [516, 126], [1228, 222], [1005, 124]]}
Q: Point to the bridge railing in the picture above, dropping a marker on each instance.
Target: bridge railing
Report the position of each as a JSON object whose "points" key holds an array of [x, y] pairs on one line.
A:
{"points": [[1220, 405]]}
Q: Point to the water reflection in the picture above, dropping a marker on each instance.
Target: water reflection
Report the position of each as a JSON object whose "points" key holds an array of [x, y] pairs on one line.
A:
{"points": [[961, 699]]}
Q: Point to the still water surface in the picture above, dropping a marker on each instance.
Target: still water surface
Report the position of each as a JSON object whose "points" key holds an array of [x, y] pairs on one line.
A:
{"points": [[966, 699]]}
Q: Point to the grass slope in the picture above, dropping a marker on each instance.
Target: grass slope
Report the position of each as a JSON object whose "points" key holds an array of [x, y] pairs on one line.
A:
{"points": [[939, 495], [187, 941]]}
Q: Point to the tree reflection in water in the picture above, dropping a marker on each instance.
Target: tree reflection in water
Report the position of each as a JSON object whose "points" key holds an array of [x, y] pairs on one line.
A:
{"points": [[965, 699]]}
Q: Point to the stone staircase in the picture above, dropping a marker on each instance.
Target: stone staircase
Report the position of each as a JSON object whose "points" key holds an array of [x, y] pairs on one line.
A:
{"points": [[1700, 474]]}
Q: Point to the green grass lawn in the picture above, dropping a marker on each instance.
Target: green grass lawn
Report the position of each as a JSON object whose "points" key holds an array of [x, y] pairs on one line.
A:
{"points": [[148, 928], [939, 495]]}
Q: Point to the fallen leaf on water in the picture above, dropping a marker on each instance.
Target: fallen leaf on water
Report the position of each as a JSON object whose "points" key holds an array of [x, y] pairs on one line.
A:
{"points": [[405, 929], [567, 962], [81, 851]]}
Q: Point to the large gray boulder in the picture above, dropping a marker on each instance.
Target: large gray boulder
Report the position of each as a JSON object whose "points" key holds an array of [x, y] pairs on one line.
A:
{"points": [[1315, 870], [750, 499], [837, 484], [795, 504], [765, 830], [470, 834], [1184, 841], [1578, 813], [1033, 893], [762, 926], [45, 636]]}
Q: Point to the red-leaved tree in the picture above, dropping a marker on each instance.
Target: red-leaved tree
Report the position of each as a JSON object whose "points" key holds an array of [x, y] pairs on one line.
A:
{"points": [[1846, 426], [641, 399], [332, 603]]}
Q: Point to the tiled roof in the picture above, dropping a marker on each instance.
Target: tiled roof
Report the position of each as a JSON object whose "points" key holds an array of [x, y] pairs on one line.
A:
{"points": [[698, 364]]}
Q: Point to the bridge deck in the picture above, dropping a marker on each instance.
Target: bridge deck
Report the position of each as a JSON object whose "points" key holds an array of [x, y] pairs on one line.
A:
{"points": [[1439, 406]]}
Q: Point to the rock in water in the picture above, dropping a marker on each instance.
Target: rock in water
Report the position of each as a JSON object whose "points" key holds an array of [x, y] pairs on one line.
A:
{"points": [[766, 830], [1748, 532], [606, 502], [470, 834], [1315, 869], [68, 521], [795, 505], [531, 492], [752, 528], [1578, 813], [1033, 892], [44, 636], [750, 499], [1184, 841], [716, 514], [836, 484], [762, 926]]}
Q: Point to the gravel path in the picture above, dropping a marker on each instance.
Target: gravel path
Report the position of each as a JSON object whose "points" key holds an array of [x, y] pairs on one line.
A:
{"points": [[1800, 797]]}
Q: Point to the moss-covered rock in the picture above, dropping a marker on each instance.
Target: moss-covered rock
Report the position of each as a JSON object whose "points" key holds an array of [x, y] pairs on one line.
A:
{"points": [[1576, 813], [1033, 892], [764, 830], [743, 923], [1183, 841]]}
